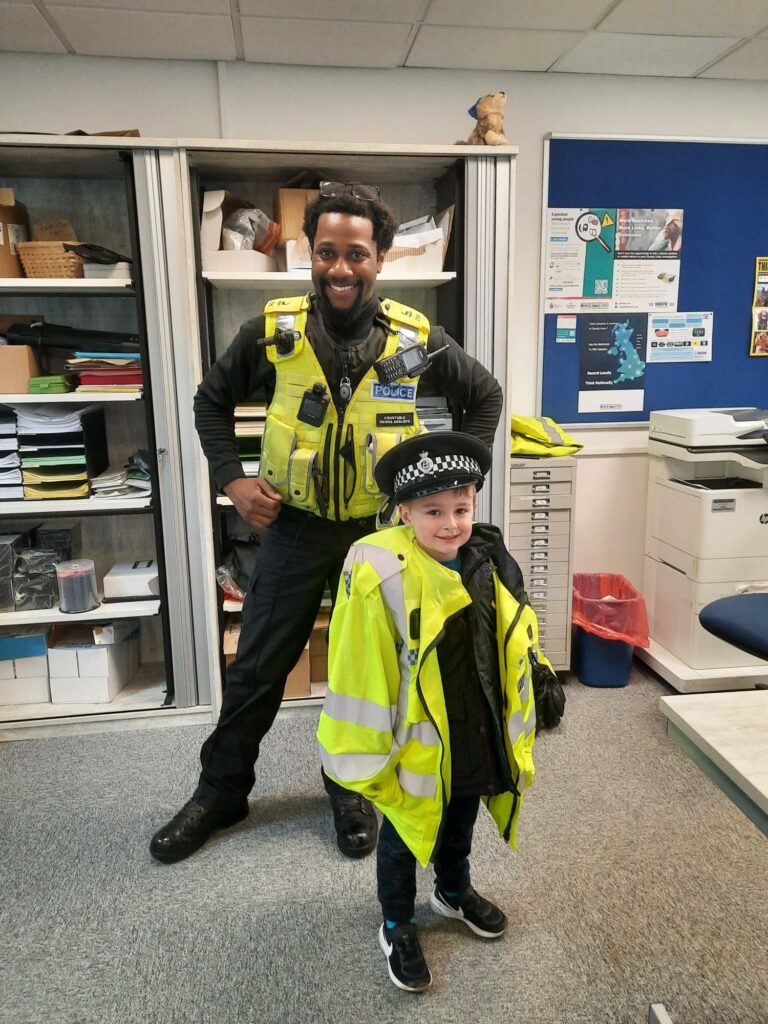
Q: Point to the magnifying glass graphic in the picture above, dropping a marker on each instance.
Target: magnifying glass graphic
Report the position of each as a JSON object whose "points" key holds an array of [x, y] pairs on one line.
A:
{"points": [[588, 229]]}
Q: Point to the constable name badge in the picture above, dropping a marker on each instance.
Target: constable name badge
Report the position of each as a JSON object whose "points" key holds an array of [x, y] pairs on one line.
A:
{"points": [[394, 419], [393, 392]]}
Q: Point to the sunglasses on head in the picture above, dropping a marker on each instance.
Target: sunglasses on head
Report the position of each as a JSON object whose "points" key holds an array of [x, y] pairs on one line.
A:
{"points": [[357, 189]]}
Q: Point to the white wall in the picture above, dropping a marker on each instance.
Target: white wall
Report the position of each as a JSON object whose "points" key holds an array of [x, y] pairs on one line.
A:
{"points": [[178, 98]]}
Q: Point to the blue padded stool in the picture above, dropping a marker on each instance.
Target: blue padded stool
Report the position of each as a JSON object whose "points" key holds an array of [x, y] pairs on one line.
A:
{"points": [[741, 620]]}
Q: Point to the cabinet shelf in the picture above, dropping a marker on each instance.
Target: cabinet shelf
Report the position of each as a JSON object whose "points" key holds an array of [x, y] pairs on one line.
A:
{"points": [[105, 612], [65, 286], [80, 506], [146, 691], [247, 279], [71, 397]]}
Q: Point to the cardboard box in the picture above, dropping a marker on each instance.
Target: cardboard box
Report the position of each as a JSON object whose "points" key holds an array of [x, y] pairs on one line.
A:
{"points": [[297, 683], [17, 364], [14, 228], [233, 261], [289, 209], [294, 254], [82, 672], [421, 253], [19, 642], [318, 648], [24, 680]]}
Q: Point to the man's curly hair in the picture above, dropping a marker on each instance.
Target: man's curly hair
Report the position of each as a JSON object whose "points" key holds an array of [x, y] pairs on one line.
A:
{"points": [[378, 213]]}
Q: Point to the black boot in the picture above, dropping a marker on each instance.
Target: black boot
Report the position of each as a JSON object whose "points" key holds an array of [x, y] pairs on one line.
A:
{"points": [[190, 828], [355, 819]]}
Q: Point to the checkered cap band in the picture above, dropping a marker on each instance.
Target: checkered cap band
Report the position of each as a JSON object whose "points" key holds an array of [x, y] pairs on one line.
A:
{"points": [[440, 465]]}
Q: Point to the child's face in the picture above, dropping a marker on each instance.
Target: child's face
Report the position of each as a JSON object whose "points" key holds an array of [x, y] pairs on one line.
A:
{"points": [[441, 522]]}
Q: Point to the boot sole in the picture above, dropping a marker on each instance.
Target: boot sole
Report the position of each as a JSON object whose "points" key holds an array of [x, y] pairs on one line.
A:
{"points": [[456, 915], [170, 858]]}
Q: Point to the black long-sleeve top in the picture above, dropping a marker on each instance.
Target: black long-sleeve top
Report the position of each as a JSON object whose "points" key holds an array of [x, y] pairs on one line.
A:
{"points": [[244, 370]]}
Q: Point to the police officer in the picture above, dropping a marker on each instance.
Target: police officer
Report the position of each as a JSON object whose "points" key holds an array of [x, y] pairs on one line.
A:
{"points": [[331, 415]]}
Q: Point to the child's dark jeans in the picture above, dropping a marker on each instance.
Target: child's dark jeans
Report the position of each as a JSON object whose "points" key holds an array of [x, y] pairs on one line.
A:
{"points": [[396, 865]]}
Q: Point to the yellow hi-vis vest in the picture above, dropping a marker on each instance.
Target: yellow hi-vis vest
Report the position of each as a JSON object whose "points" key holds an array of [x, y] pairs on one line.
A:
{"points": [[384, 726], [328, 469], [536, 436]]}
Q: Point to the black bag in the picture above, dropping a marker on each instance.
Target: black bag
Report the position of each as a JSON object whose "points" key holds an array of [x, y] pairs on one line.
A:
{"points": [[548, 695]]}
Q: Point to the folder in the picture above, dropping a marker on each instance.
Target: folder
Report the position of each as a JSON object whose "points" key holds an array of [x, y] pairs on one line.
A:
{"points": [[48, 492], [53, 474]]}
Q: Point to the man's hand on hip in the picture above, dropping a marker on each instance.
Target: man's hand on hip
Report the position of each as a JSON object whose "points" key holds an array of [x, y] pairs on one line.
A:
{"points": [[256, 500]]}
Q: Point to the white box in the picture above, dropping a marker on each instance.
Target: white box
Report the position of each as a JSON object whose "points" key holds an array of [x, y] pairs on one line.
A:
{"points": [[82, 672], [421, 253], [30, 690], [31, 668], [132, 581], [6, 669], [295, 254], [235, 261], [120, 270]]}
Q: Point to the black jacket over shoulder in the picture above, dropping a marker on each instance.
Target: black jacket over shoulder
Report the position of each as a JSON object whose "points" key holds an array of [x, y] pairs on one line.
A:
{"points": [[469, 668], [244, 370]]}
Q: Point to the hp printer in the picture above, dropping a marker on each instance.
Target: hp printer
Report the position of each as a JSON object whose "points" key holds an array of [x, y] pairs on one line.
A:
{"points": [[706, 538]]}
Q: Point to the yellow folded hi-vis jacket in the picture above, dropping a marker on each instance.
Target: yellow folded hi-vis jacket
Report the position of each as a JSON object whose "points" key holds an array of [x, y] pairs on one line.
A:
{"points": [[384, 727]]}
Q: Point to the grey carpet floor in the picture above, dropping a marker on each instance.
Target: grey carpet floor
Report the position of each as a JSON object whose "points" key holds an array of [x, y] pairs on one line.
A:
{"points": [[637, 881]]}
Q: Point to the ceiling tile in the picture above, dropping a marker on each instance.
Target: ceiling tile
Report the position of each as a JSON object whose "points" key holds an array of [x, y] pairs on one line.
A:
{"points": [[356, 45], [688, 17], [361, 10], [116, 33], [603, 53], [26, 31], [749, 62], [549, 14], [170, 6], [439, 46]]}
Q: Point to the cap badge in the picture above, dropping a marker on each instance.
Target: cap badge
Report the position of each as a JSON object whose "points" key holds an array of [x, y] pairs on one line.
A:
{"points": [[425, 464]]}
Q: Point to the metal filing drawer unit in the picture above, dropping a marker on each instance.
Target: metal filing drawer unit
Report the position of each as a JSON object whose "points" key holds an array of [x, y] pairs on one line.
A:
{"points": [[541, 502]]}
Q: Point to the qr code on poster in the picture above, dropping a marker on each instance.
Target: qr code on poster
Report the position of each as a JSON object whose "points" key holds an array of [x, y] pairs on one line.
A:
{"points": [[601, 286]]}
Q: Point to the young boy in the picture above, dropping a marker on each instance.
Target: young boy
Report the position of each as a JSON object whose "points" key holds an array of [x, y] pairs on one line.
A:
{"points": [[430, 704]]}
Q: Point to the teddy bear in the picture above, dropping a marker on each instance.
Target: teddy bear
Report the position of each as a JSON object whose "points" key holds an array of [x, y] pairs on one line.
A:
{"points": [[489, 114]]}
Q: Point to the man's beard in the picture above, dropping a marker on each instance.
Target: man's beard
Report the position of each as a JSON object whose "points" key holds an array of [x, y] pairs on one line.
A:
{"points": [[339, 319]]}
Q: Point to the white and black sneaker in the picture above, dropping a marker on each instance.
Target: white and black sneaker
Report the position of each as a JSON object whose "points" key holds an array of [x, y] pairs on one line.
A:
{"points": [[477, 913], [405, 961]]}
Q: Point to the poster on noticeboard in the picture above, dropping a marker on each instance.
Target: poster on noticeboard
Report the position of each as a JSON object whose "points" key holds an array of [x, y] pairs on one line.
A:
{"points": [[759, 340]]}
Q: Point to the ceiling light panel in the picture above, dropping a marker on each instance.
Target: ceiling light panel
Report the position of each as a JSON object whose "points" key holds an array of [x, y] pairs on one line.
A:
{"points": [[603, 53], [169, 6], [320, 10], [156, 34], [438, 46], [562, 15], [324, 44], [750, 62], [688, 17], [26, 31]]}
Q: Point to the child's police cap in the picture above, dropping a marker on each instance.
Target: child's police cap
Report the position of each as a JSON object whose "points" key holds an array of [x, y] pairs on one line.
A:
{"points": [[428, 463]]}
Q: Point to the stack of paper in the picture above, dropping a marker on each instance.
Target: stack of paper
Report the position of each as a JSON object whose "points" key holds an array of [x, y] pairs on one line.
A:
{"points": [[249, 430], [132, 481], [60, 449], [10, 474], [107, 371]]}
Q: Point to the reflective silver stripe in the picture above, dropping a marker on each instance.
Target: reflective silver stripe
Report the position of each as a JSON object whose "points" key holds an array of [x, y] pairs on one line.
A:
{"points": [[424, 732], [551, 433], [417, 785], [285, 321], [353, 767], [386, 563], [358, 711], [394, 600], [515, 726]]}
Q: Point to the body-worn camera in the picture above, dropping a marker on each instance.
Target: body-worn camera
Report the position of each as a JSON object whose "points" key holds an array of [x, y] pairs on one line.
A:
{"points": [[313, 405], [283, 340], [408, 362]]}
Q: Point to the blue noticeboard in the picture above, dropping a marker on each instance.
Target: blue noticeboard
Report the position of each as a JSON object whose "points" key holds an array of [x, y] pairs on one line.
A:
{"points": [[722, 188]]}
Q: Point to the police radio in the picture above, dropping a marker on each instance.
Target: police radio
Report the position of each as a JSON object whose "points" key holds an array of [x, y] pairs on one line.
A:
{"points": [[408, 362]]}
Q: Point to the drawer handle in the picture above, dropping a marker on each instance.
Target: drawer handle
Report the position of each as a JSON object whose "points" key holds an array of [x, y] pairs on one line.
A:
{"points": [[540, 529], [540, 542], [539, 515], [541, 502], [541, 474], [540, 488]]}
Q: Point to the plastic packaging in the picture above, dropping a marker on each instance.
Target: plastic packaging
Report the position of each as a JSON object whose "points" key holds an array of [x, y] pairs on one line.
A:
{"points": [[250, 229], [229, 587], [77, 586], [608, 606]]}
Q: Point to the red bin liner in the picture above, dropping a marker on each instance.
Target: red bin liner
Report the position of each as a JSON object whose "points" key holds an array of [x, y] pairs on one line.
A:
{"points": [[607, 605]]}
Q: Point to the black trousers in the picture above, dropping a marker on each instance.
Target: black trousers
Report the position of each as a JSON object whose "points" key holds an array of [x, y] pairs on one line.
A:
{"points": [[298, 554], [396, 865]]}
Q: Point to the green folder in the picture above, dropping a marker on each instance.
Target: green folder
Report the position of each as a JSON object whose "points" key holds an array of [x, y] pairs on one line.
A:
{"points": [[54, 385]]}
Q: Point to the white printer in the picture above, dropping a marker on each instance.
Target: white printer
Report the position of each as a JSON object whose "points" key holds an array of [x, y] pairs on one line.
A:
{"points": [[706, 538]]}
